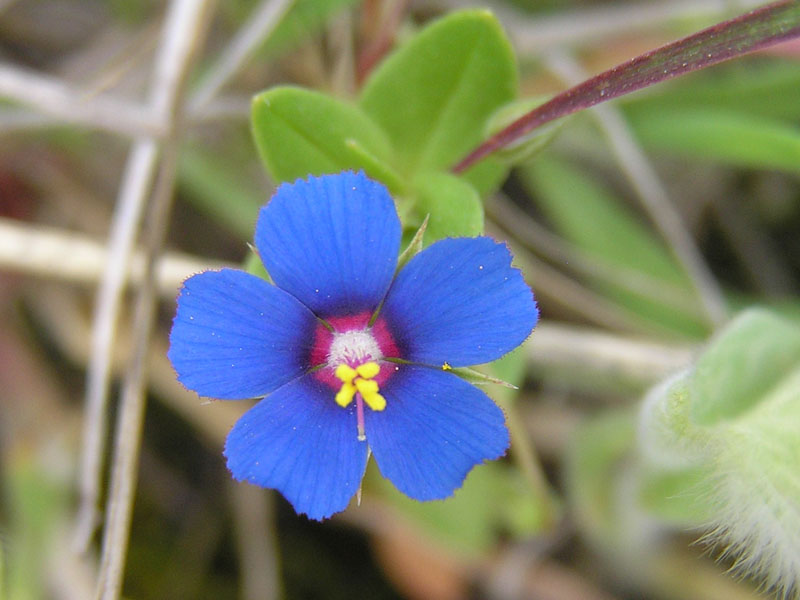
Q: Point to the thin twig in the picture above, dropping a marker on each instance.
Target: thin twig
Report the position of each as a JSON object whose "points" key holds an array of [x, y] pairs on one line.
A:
{"points": [[65, 105], [255, 31], [184, 22], [55, 98], [628, 358], [133, 192], [650, 191], [180, 38], [132, 402], [592, 25], [134, 189], [236, 107], [534, 33], [20, 119], [253, 511], [39, 251]]}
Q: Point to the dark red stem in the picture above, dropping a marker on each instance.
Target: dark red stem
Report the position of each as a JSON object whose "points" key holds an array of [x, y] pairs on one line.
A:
{"points": [[757, 29]]}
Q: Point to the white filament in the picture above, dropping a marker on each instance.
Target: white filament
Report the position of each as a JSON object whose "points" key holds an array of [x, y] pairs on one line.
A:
{"points": [[353, 347]]}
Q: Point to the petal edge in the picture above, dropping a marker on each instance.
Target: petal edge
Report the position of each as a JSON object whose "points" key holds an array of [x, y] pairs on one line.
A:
{"points": [[235, 336], [331, 241], [300, 442], [434, 430], [460, 301]]}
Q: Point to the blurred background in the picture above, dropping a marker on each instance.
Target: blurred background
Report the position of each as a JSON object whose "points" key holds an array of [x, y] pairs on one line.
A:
{"points": [[125, 139]]}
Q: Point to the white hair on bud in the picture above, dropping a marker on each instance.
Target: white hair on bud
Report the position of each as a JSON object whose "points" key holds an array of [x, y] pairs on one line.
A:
{"points": [[753, 484], [755, 492]]}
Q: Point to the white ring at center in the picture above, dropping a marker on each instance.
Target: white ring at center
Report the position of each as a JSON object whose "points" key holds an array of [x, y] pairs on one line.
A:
{"points": [[354, 348]]}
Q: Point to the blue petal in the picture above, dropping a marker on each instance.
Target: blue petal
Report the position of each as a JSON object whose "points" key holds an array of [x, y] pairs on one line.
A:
{"points": [[237, 336], [331, 241], [434, 429], [460, 301], [300, 442]]}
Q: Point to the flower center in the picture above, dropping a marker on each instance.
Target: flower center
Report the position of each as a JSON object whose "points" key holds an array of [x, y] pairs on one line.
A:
{"points": [[353, 348], [359, 383], [349, 354]]}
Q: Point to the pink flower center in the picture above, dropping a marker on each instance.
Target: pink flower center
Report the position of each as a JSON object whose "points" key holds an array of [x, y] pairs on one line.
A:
{"points": [[353, 343]]}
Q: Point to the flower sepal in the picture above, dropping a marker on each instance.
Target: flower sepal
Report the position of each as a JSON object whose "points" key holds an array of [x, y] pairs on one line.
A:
{"points": [[254, 266], [414, 246], [477, 377]]}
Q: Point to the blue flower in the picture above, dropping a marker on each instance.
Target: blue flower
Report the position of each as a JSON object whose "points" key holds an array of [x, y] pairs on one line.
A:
{"points": [[350, 354]]}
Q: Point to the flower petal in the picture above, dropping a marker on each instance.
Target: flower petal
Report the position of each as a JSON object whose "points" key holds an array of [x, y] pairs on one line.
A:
{"points": [[434, 429], [236, 336], [331, 242], [300, 442], [460, 301]]}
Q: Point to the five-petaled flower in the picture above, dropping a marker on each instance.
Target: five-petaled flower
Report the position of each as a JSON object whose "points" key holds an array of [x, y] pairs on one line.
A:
{"points": [[351, 355]]}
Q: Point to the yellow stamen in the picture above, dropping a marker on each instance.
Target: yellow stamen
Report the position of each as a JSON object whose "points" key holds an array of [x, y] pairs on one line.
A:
{"points": [[346, 373], [345, 395], [368, 388], [359, 380], [446, 366], [368, 370]]}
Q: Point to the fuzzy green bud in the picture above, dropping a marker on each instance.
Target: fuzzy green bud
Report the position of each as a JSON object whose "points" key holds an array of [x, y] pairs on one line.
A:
{"points": [[736, 416]]}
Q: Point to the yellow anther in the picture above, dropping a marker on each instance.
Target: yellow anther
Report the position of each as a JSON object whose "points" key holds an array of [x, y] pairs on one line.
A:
{"points": [[345, 395], [375, 401], [368, 370], [359, 380], [446, 366], [346, 373], [366, 386]]}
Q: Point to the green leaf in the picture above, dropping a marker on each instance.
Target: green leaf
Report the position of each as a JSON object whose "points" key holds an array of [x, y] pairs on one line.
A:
{"points": [[434, 95], [493, 497], [722, 135], [596, 222], [748, 359], [300, 132], [453, 206]]}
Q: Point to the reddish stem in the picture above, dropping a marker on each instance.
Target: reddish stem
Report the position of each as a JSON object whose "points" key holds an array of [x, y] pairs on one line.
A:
{"points": [[757, 29]]}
